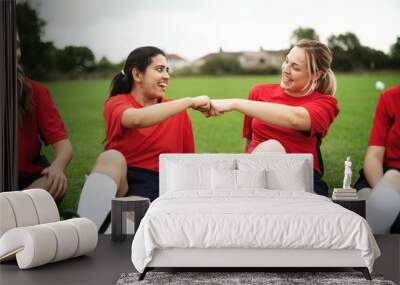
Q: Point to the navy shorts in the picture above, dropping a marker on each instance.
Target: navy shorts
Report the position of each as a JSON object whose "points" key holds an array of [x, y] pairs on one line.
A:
{"points": [[320, 187], [25, 181], [142, 182]]}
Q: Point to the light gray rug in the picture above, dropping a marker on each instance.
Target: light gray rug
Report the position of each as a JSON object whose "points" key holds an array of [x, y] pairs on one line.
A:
{"points": [[232, 278]]}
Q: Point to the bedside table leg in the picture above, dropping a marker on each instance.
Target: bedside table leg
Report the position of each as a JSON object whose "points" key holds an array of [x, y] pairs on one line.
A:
{"points": [[116, 222], [364, 271]]}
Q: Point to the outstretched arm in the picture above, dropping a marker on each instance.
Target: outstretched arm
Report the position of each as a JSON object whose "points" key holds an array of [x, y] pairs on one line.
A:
{"points": [[281, 115], [155, 114], [373, 164]]}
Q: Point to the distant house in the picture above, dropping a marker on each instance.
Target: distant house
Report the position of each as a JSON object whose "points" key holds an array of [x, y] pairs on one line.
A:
{"points": [[176, 62], [221, 54], [262, 59], [250, 60]]}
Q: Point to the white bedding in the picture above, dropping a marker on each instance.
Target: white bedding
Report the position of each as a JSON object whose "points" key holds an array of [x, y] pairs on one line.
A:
{"points": [[252, 218]]}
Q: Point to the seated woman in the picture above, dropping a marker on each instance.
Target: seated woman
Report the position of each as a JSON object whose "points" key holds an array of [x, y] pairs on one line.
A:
{"points": [[379, 180], [140, 125], [292, 116], [39, 121]]}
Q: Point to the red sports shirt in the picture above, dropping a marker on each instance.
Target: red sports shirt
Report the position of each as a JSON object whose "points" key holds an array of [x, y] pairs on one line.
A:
{"points": [[322, 108], [43, 125], [143, 146], [386, 127]]}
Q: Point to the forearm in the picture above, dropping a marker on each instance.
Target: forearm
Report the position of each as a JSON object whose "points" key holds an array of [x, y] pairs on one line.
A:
{"points": [[62, 154], [154, 114], [373, 165], [276, 114]]}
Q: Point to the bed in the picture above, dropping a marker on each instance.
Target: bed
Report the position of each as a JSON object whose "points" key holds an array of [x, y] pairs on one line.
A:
{"points": [[242, 210]]}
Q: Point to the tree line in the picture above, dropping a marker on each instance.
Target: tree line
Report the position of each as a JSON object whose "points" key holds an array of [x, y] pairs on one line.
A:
{"points": [[43, 61], [350, 54]]}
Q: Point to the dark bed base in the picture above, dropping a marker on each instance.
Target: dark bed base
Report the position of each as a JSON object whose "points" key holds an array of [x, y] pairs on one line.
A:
{"points": [[364, 270]]}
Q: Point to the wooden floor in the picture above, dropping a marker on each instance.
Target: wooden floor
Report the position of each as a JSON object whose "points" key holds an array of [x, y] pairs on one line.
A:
{"points": [[110, 259], [389, 262], [102, 266]]}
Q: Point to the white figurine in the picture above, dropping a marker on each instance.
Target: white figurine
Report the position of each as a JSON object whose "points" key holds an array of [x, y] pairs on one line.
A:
{"points": [[347, 174]]}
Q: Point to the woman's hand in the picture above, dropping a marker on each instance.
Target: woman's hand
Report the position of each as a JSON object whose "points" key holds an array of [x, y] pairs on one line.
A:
{"points": [[56, 180], [201, 103], [220, 106]]}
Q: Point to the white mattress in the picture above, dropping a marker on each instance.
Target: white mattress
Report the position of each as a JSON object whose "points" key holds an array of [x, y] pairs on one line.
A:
{"points": [[256, 218]]}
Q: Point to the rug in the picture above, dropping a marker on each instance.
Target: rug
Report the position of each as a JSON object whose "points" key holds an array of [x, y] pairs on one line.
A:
{"points": [[243, 278]]}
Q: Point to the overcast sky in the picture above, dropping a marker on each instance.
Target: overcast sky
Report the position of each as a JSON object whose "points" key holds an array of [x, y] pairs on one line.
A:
{"points": [[193, 28]]}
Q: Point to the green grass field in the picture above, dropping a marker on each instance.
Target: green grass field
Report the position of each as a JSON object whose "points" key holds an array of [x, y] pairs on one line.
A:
{"points": [[80, 104]]}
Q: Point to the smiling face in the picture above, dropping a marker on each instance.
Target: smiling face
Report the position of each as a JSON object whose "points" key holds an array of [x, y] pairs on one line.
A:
{"points": [[154, 80], [295, 74]]}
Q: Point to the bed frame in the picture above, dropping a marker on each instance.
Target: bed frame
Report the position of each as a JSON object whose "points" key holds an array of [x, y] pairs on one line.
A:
{"points": [[246, 258], [243, 259]]}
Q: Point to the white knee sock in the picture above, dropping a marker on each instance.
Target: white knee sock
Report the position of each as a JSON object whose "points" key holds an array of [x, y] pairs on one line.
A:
{"points": [[383, 206], [96, 196]]}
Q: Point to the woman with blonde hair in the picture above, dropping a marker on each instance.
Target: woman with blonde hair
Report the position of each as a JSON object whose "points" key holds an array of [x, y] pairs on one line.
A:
{"points": [[293, 116]]}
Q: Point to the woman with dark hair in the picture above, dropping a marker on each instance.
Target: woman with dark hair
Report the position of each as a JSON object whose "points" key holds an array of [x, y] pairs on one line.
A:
{"points": [[140, 125], [39, 122], [293, 116]]}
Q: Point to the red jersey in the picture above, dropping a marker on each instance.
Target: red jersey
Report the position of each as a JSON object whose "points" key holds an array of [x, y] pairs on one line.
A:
{"points": [[386, 127], [322, 109], [44, 124], [143, 146]]}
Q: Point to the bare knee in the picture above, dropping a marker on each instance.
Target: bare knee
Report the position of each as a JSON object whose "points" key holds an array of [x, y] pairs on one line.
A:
{"points": [[392, 177], [110, 158], [113, 164], [392, 174], [270, 146]]}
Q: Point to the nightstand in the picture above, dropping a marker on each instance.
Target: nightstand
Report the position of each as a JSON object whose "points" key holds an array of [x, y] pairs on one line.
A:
{"points": [[357, 206], [119, 209]]}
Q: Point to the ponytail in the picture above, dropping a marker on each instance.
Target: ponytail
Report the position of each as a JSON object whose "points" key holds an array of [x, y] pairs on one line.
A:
{"points": [[120, 84], [326, 84]]}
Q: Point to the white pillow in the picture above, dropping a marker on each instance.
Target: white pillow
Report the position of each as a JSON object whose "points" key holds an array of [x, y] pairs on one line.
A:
{"points": [[226, 179], [223, 179], [281, 174], [184, 175], [251, 178], [294, 180]]}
